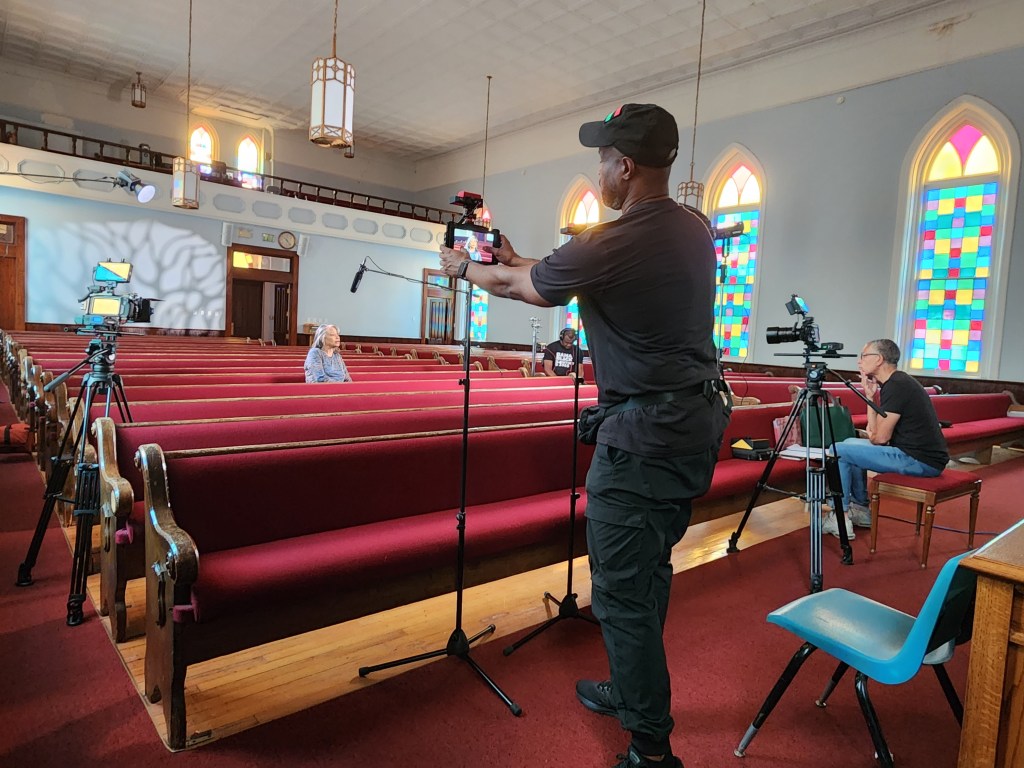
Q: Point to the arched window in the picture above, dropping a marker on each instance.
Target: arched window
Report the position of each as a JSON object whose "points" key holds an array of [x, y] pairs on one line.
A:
{"points": [[248, 162], [581, 209], [736, 192], [962, 182], [201, 148]]}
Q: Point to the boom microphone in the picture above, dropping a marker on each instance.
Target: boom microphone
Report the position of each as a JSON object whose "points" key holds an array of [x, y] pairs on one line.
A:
{"points": [[358, 277], [728, 231]]}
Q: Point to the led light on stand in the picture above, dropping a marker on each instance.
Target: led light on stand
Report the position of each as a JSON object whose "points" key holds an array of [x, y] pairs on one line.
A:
{"points": [[127, 180]]}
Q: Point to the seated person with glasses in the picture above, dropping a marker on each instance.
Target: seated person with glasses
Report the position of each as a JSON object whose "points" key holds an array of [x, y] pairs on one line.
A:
{"points": [[907, 440]]}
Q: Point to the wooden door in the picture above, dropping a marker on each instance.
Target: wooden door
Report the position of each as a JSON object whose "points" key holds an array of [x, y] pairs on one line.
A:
{"points": [[247, 308], [249, 264], [12, 273], [282, 312], [437, 323]]}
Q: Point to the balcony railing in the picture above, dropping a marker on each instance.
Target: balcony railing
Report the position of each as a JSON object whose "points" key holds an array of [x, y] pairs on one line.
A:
{"points": [[142, 156]]}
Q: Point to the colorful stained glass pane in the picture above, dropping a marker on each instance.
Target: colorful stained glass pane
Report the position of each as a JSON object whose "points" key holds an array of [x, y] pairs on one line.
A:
{"points": [[982, 159], [478, 315], [734, 296], [572, 320], [950, 282], [249, 162], [968, 152], [587, 211]]}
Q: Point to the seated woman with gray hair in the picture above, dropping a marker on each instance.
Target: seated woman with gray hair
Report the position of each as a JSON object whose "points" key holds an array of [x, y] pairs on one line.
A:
{"points": [[323, 361]]}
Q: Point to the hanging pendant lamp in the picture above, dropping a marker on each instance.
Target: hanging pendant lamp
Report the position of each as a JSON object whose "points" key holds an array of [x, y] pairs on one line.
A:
{"points": [[332, 97]]}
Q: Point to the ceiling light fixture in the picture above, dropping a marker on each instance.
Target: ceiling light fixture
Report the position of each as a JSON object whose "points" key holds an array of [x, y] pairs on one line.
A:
{"points": [[185, 173], [691, 193], [139, 92], [332, 87], [143, 192]]}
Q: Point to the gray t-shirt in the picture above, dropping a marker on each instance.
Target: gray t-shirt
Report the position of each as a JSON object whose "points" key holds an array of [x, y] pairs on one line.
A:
{"points": [[646, 287]]}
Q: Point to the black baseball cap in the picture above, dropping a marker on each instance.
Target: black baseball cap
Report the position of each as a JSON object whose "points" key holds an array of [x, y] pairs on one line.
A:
{"points": [[646, 133]]}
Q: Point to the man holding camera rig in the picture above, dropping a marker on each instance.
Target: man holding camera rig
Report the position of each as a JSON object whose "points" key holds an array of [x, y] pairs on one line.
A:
{"points": [[646, 286], [907, 440]]}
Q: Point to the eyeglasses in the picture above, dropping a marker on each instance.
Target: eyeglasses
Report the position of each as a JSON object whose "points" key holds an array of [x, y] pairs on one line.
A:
{"points": [[868, 354]]}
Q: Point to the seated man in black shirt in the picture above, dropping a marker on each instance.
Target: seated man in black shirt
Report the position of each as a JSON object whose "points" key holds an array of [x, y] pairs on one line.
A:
{"points": [[558, 355], [908, 440]]}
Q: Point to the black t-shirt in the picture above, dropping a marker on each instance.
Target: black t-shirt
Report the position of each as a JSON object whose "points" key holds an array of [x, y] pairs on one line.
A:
{"points": [[560, 357], [646, 287], [917, 433]]}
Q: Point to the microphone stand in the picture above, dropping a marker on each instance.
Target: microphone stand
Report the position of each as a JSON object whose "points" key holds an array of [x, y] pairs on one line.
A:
{"points": [[458, 643], [567, 606]]}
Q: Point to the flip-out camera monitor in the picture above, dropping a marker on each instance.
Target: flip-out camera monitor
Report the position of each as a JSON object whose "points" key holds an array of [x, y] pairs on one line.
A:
{"points": [[112, 272]]}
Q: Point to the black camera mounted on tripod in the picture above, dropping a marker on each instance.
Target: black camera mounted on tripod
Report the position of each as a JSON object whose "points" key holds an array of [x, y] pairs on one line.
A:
{"points": [[804, 329], [466, 235]]}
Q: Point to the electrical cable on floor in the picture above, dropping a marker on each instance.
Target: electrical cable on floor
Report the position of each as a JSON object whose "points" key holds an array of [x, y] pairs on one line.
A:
{"points": [[940, 527]]}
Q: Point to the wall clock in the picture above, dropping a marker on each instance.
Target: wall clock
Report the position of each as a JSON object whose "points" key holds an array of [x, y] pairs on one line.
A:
{"points": [[286, 240]]}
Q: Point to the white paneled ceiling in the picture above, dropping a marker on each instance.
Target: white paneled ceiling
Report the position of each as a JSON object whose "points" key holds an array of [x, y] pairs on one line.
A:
{"points": [[421, 65]]}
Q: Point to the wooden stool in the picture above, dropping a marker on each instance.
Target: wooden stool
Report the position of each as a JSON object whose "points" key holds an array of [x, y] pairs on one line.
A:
{"points": [[928, 493]]}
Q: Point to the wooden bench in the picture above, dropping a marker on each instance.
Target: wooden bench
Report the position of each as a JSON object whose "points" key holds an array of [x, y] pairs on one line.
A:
{"points": [[122, 513], [245, 547]]}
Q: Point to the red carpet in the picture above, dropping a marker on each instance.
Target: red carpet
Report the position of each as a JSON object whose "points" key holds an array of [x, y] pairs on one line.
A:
{"points": [[66, 700]]}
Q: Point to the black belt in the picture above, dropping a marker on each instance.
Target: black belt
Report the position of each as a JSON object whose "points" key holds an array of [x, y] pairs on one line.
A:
{"points": [[708, 388]]}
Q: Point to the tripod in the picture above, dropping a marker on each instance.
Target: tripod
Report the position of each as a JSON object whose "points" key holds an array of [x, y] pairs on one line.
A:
{"points": [[567, 606], [821, 479], [100, 380], [458, 643]]}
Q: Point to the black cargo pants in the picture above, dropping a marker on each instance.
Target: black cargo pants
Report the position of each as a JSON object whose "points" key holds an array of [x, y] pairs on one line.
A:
{"points": [[638, 508]]}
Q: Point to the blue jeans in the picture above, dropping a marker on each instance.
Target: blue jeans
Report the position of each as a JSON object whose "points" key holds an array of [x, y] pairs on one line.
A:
{"points": [[857, 455]]}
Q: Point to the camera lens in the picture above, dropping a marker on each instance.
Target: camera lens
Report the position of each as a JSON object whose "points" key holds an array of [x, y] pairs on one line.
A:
{"points": [[779, 334]]}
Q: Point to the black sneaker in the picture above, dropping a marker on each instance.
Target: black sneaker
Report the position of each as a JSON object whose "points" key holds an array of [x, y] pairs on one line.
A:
{"points": [[633, 759], [597, 697]]}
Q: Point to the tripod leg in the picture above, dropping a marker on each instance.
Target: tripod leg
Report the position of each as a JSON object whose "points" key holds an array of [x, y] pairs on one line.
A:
{"points": [[86, 506], [61, 467]]}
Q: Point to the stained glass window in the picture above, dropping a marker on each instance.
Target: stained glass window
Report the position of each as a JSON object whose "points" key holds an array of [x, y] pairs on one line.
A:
{"points": [[249, 162], [584, 212], [478, 315], [200, 149], [739, 200], [954, 254]]}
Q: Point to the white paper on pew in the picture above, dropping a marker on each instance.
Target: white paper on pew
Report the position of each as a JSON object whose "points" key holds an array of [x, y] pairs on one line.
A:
{"points": [[1016, 414], [799, 453]]}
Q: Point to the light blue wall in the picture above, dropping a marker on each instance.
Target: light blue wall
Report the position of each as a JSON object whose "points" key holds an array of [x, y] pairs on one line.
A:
{"points": [[832, 178], [179, 259]]}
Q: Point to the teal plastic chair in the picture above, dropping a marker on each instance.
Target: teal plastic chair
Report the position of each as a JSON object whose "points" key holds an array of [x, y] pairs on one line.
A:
{"points": [[879, 642]]}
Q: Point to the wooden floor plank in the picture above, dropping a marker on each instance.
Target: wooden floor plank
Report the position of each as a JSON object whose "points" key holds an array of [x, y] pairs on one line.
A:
{"points": [[233, 693]]}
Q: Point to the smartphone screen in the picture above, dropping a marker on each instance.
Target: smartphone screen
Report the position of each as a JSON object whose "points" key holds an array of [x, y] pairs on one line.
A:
{"points": [[470, 240]]}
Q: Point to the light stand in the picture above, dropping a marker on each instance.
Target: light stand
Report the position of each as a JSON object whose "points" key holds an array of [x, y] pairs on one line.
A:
{"points": [[567, 606], [100, 380], [458, 643], [535, 325], [821, 479]]}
